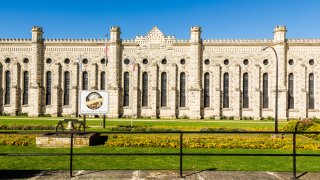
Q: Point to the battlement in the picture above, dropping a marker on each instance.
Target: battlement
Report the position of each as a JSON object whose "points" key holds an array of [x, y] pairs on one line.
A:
{"points": [[280, 28], [81, 40], [308, 41], [114, 28], [237, 41], [15, 40], [37, 29], [195, 28]]}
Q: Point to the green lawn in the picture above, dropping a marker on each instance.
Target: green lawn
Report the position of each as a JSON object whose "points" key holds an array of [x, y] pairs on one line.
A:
{"points": [[155, 162], [183, 124]]}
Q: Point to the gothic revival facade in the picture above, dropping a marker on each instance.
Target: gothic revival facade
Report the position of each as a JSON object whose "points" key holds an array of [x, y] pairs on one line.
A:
{"points": [[160, 76]]}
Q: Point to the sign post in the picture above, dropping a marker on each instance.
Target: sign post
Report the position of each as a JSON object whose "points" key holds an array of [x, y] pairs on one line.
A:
{"points": [[104, 121]]}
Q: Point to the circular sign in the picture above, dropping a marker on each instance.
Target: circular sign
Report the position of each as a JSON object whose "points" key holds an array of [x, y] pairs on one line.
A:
{"points": [[94, 100]]}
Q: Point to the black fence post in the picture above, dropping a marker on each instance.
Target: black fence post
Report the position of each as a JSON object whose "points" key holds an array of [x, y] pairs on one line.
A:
{"points": [[295, 151], [71, 153], [181, 143]]}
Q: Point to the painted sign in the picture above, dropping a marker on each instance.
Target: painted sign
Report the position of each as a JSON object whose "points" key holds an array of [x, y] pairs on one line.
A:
{"points": [[94, 102]]}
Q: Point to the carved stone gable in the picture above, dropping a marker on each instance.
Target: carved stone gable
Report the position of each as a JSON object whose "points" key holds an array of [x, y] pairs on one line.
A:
{"points": [[155, 36]]}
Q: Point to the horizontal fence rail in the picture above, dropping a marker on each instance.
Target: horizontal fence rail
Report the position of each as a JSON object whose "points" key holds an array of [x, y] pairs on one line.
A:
{"points": [[294, 154]]}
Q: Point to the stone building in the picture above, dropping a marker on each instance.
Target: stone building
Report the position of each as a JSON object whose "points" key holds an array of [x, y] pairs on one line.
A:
{"points": [[160, 76]]}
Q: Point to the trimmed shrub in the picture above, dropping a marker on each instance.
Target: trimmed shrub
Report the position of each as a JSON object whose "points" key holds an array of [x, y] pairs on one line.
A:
{"points": [[314, 128], [222, 129], [142, 129], [26, 127], [303, 125]]}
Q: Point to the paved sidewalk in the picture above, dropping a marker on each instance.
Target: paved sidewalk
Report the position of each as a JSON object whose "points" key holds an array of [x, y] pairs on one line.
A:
{"points": [[153, 174]]}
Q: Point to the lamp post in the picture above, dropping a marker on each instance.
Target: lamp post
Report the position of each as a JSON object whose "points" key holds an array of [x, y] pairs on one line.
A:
{"points": [[276, 97]]}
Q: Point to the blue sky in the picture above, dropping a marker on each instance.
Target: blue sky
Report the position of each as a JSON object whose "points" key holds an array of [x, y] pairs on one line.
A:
{"points": [[218, 18]]}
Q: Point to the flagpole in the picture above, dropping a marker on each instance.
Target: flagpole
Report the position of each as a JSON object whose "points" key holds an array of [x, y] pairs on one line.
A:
{"points": [[133, 69], [79, 75], [105, 77]]}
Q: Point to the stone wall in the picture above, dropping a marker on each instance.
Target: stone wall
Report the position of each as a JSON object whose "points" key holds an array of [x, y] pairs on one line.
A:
{"points": [[64, 55]]}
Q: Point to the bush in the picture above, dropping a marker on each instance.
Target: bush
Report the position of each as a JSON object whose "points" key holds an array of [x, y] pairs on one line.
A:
{"points": [[314, 128], [4, 114], [269, 118], [26, 127], [222, 129], [17, 140], [21, 114], [142, 129], [208, 141], [303, 125], [44, 115], [247, 118], [316, 120]]}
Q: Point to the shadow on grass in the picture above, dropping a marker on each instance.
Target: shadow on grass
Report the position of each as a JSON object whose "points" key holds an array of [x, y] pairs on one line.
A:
{"points": [[19, 174]]}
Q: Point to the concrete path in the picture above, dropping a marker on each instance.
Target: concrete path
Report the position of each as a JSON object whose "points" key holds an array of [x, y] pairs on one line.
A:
{"points": [[153, 174]]}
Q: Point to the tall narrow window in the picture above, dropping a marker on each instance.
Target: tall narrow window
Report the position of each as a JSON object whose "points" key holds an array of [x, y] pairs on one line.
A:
{"points": [[25, 88], [226, 90], [311, 91], [85, 80], [145, 89], [182, 89], [66, 88], [103, 81], [48, 88], [290, 92], [126, 89], [206, 90], [265, 96], [245, 94], [7, 92], [163, 89]]}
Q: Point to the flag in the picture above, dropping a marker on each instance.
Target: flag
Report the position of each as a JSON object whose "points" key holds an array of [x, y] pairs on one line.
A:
{"points": [[133, 67], [80, 63]]}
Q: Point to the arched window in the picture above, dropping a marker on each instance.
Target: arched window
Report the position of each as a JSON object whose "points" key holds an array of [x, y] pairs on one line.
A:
{"points": [[265, 96], [290, 92], [126, 89], [245, 88], [25, 88], [85, 80], [145, 89], [182, 89], [7, 92], [206, 90], [48, 88], [163, 89], [311, 91], [66, 88], [226, 90], [103, 81]]}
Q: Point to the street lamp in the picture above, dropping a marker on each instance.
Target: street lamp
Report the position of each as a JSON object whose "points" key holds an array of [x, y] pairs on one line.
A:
{"points": [[276, 97]]}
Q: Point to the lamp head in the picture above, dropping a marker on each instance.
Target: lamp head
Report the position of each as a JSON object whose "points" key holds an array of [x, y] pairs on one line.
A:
{"points": [[265, 48]]}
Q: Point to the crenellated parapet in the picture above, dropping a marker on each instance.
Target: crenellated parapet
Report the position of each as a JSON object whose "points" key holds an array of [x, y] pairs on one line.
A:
{"points": [[37, 29], [76, 40], [115, 28], [303, 41], [237, 40], [15, 41]]}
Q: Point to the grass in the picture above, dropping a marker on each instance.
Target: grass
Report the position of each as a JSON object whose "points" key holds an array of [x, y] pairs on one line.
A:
{"points": [[183, 124], [154, 162]]}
